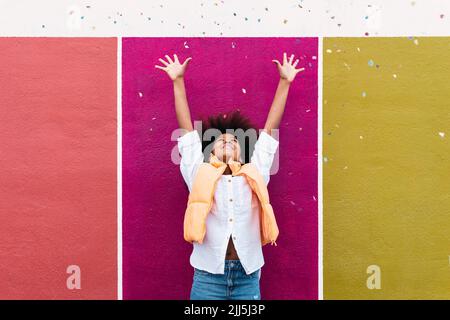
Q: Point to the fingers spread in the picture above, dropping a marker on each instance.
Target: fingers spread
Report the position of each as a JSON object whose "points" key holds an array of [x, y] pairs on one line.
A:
{"points": [[163, 62], [284, 58], [187, 61], [290, 58], [295, 63], [159, 67], [169, 59], [176, 58], [299, 70]]}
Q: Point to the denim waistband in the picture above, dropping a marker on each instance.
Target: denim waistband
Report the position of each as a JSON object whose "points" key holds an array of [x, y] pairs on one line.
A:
{"points": [[233, 264]]}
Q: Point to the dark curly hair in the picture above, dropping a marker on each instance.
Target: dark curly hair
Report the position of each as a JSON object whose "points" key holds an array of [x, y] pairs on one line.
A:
{"points": [[233, 122]]}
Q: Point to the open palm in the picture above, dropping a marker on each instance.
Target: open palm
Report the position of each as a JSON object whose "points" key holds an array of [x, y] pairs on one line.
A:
{"points": [[287, 69], [174, 68]]}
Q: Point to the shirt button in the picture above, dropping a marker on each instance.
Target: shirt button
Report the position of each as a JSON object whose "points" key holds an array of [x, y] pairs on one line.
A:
{"points": [[229, 180], [231, 200], [231, 220], [234, 238]]}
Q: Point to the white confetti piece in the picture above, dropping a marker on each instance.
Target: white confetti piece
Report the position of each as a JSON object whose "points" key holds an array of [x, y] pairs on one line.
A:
{"points": [[140, 94], [244, 91], [442, 134], [186, 45]]}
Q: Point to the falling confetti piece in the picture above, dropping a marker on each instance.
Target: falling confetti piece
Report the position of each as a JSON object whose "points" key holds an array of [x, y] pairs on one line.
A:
{"points": [[364, 94], [325, 159], [359, 50], [416, 42], [329, 51], [140, 94], [293, 203], [233, 45], [314, 198], [361, 137], [370, 63], [345, 168], [395, 76], [314, 57], [186, 45], [442, 134], [244, 91], [154, 118]]}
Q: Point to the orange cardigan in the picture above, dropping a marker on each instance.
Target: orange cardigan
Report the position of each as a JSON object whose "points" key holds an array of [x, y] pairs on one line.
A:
{"points": [[202, 195]]}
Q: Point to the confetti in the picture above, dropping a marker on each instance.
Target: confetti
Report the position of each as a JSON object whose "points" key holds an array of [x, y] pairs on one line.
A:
{"points": [[370, 63], [140, 94], [186, 45], [244, 91], [442, 134], [364, 94]]}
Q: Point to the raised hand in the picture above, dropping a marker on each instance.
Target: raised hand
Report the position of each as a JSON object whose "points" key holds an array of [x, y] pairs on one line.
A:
{"points": [[173, 68], [287, 69]]}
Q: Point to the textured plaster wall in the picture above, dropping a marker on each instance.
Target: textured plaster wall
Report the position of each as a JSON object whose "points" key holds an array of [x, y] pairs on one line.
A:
{"points": [[58, 167], [224, 74], [386, 167]]}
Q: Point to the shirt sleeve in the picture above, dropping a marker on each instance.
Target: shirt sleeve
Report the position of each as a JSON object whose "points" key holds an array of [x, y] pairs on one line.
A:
{"points": [[190, 148], [263, 154]]}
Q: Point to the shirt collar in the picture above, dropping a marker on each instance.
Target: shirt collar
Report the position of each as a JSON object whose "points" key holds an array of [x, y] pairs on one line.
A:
{"points": [[235, 166]]}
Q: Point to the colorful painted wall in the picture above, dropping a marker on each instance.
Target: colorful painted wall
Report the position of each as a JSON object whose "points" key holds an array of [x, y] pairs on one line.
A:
{"points": [[58, 216], [224, 74], [386, 168]]}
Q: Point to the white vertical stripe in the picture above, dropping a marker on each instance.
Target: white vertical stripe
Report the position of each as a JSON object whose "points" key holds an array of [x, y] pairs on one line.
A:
{"points": [[319, 172], [119, 168]]}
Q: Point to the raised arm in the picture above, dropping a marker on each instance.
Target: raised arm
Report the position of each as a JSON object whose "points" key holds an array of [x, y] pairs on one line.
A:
{"points": [[176, 71], [287, 75]]}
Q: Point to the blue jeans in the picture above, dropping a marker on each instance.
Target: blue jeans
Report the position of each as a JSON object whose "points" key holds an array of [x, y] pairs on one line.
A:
{"points": [[235, 284]]}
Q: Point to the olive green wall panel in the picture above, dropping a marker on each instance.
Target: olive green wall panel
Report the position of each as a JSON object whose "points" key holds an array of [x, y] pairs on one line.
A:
{"points": [[386, 168]]}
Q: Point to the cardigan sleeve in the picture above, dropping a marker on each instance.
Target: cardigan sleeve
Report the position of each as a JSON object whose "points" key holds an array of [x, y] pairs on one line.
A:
{"points": [[190, 148], [264, 153]]}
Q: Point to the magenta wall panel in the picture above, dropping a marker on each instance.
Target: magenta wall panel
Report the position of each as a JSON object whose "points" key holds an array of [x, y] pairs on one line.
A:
{"points": [[155, 255]]}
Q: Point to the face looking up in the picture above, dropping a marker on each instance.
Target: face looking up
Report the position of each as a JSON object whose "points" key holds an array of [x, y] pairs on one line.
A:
{"points": [[227, 147]]}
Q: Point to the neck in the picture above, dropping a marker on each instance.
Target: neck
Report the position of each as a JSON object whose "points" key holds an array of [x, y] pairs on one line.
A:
{"points": [[227, 170]]}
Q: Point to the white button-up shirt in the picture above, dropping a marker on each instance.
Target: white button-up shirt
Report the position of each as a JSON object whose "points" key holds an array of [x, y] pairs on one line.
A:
{"points": [[236, 209]]}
